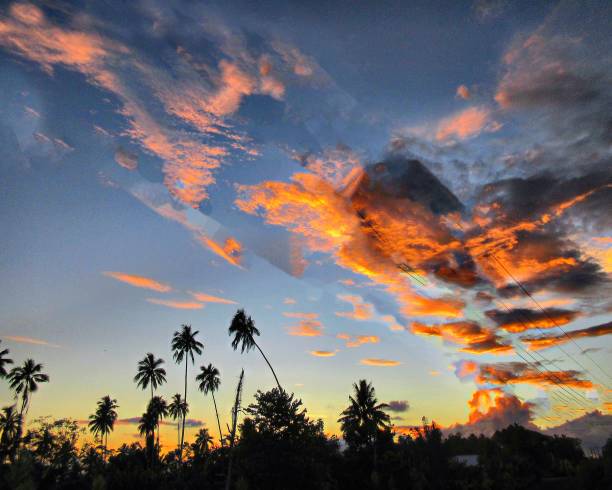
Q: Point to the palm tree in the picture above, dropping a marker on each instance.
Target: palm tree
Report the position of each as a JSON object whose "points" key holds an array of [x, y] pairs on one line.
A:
{"points": [[209, 382], [178, 409], [158, 407], [24, 380], [4, 361], [243, 329], [202, 442], [102, 422], [150, 373], [184, 344], [146, 427], [10, 428]]}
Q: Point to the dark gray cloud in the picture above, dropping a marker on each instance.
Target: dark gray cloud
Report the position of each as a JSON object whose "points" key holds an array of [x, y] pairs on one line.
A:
{"points": [[398, 406]]}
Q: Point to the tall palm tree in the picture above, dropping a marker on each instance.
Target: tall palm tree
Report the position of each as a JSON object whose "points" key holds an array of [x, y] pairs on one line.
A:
{"points": [[177, 409], [150, 373], [159, 409], [4, 361], [146, 427], [364, 417], [10, 429], [184, 345], [102, 422], [25, 380], [244, 331], [209, 381]]}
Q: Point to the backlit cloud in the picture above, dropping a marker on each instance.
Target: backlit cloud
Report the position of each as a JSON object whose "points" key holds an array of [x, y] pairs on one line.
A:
{"points": [[466, 124], [521, 319], [522, 373], [139, 281], [470, 335], [545, 341]]}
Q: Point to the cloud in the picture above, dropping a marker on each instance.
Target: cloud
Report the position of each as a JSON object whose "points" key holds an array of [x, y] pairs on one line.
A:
{"points": [[139, 281], [126, 159], [289, 301], [519, 372], [463, 92], [592, 429], [546, 341], [230, 250], [306, 328], [208, 298], [398, 406], [357, 340], [323, 353], [465, 369], [379, 362], [434, 373], [466, 124], [518, 320], [472, 336], [29, 340], [361, 310], [179, 305]]}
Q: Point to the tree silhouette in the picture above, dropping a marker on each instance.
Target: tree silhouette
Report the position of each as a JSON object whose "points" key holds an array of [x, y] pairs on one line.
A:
{"points": [[25, 380], [184, 344], [209, 381], [244, 331], [158, 407], [10, 429], [146, 428], [150, 373], [202, 443], [4, 361], [177, 409], [102, 422]]}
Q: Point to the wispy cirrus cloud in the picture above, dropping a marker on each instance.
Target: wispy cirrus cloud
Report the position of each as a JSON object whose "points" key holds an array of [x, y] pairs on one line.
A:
{"points": [[379, 362], [179, 305], [209, 298], [139, 281], [19, 339]]}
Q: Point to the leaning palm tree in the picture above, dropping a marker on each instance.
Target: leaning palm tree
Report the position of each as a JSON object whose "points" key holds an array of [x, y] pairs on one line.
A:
{"points": [[25, 380], [4, 361], [178, 409], [10, 430], [159, 408], [209, 382], [184, 345], [102, 422], [150, 373], [244, 331], [146, 427]]}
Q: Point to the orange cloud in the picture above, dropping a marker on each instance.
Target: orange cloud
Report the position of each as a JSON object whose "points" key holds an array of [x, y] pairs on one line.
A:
{"points": [[463, 92], [497, 405], [466, 124], [230, 251], [545, 341], [472, 336], [29, 340], [465, 369], [289, 301], [357, 340], [207, 298], [306, 328], [361, 310], [379, 362], [180, 305], [520, 319], [139, 281], [323, 353], [522, 373], [434, 373]]}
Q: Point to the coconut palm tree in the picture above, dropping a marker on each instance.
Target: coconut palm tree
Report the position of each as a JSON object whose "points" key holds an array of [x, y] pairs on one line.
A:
{"points": [[150, 373], [177, 409], [209, 381], [159, 409], [244, 331], [10, 430], [102, 422], [25, 380], [146, 427], [4, 361], [184, 345], [202, 442]]}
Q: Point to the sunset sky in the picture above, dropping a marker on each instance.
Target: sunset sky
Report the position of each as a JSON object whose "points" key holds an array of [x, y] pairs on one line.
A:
{"points": [[373, 182]]}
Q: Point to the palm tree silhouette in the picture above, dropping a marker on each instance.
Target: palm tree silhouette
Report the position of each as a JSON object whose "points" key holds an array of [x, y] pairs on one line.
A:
{"points": [[202, 442], [184, 344], [24, 380], [150, 373], [177, 409], [244, 331], [146, 427], [209, 382], [4, 361], [158, 407], [10, 427], [102, 422]]}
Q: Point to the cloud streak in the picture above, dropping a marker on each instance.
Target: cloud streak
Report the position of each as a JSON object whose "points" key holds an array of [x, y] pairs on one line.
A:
{"points": [[139, 281]]}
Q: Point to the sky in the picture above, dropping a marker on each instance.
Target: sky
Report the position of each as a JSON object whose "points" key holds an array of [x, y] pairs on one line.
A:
{"points": [[413, 193]]}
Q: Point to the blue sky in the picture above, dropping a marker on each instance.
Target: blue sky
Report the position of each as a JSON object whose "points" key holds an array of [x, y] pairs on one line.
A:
{"points": [[225, 150]]}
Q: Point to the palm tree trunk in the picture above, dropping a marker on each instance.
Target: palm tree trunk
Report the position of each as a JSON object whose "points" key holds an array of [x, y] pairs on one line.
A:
{"points": [[218, 422], [184, 415], [270, 365]]}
